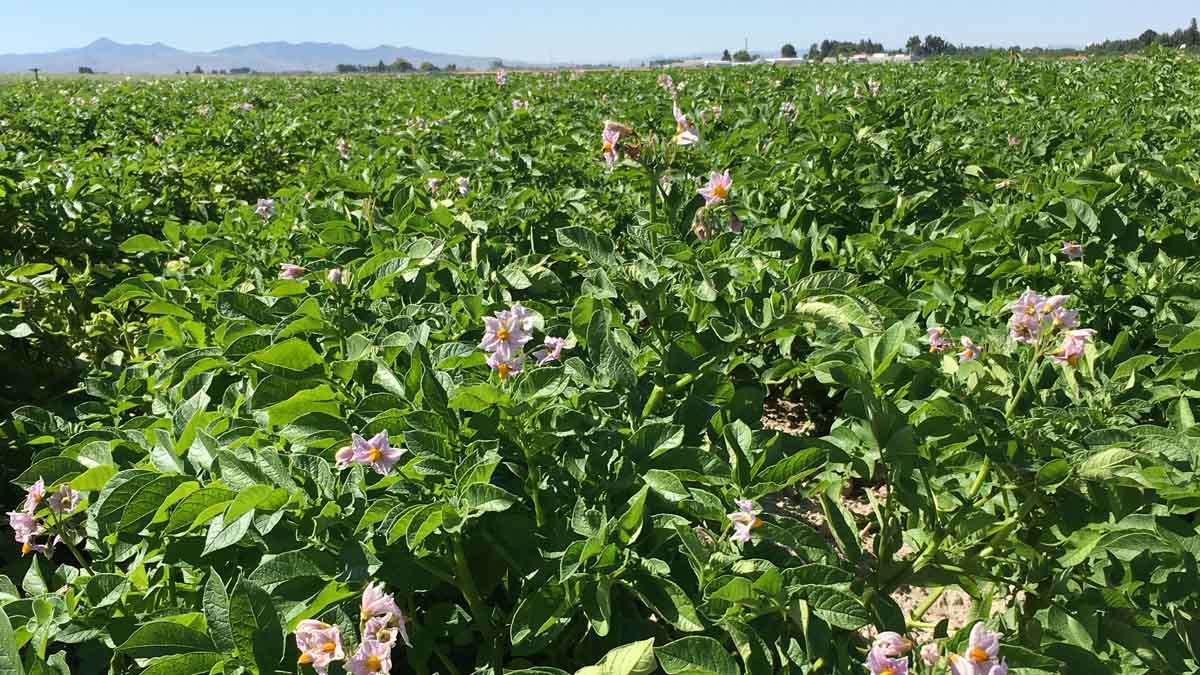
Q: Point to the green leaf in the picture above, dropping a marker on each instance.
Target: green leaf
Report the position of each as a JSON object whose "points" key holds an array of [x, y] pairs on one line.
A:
{"points": [[596, 247], [256, 627], [477, 398], [222, 535], [159, 638], [216, 612], [301, 564], [142, 243], [195, 663], [629, 525], [487, 497], [293, 354], [838, 608], [669, 601], [51, 470], [666, 484], [696, 655], [142, 506], [636, 658], [10, 656]]}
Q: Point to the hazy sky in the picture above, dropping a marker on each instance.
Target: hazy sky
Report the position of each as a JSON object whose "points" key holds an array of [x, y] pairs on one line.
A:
{"points": [[612, 30]]}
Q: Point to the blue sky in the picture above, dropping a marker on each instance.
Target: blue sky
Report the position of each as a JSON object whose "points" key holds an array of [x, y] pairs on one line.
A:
{"points": [[604, 30]]}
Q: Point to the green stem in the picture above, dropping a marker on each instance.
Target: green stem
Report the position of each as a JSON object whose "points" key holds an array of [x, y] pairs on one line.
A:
{"points": [[653, 196], [919, 612], [479, 611], [445, 661], [1012, 403], [535, 474]]}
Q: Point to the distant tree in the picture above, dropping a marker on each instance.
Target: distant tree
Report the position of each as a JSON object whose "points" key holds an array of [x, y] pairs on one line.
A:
{"points": [[814, 52], [427, 67], [498, 63], [402, 66], [1193, 34], [742, 56], [452, 67], [787, 51], [240, 71], [198, 70], [725, 56], [84, 70], [1147, 38], [347, 68], [913, 46], [936, 45]]}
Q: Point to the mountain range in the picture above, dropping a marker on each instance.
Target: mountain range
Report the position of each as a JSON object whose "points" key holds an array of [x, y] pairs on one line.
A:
{"points": [[106, 56]]}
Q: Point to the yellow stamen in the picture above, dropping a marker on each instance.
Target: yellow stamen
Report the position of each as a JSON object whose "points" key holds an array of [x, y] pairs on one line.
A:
{"points": [[504, 369], [608, 146], [373, 664], [26, 548], [888, 671], [757, 523], [329, 647], [978, 655], [719, 191], [375, 454], [304, 658], [502, 333]]}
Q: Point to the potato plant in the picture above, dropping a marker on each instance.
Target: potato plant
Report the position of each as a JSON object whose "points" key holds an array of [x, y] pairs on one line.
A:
{"points": [[475, 374]]}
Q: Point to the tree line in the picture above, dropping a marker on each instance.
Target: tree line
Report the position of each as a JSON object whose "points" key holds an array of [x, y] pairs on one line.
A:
{"points": [[397, 66], [936, 45]]}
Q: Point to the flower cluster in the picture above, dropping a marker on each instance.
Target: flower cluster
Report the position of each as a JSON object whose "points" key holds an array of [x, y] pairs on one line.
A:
{"points": [[380, 622], [265, 208], [1072, 250], [343, 148], [501, 77], [376, 453], [518, 104], [981, 656], [25, 523], [873, 86], [1036, 317], [787, 109], [938, 344], [744, 520], [505, 336], [886, 656], [464, 185], [434, 184]]}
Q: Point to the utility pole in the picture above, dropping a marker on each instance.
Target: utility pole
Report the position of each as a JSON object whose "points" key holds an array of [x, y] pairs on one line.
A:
{"points": [[746, 45], [35, 73]]}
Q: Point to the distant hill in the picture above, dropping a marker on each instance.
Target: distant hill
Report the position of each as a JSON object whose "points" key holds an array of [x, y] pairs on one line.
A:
{"points": [[106, 56]]}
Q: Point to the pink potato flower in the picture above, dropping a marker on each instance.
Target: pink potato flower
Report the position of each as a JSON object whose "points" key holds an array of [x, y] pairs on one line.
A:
{"points": [[506, 366], [320, 644], [434, 184], [982, 654], [744, 520], [880, 663], [1072, 250], [685, 131], [64, 500], [1073, 345], [551, 351], [506, 332], [970, 352], [290, 271], [717, 188], [335, 275], [464, 185], [929, 654], [501, 77], [937, 339], [891, 643], [372, 657], [343, 148], [344, 457], [376, 453], [608, 145], [265, 208], [377, 603]]}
